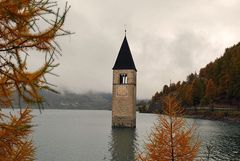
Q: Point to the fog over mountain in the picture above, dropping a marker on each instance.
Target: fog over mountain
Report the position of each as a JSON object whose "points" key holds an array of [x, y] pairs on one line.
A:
{"points": [[68, 100]]}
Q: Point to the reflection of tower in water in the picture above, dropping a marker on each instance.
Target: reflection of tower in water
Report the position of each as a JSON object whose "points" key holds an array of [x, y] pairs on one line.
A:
{"points": [[123, 144]]}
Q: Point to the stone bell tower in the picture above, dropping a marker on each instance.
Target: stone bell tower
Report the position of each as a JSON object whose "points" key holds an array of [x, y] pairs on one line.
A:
{"points": [[124, 89]]}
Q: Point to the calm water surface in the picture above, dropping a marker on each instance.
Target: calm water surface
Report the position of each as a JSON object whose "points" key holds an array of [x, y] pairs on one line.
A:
{"points": [[79, 135]]}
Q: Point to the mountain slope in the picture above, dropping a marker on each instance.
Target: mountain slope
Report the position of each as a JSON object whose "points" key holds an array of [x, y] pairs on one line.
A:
{"points": [[217, 83], [69, 100]]}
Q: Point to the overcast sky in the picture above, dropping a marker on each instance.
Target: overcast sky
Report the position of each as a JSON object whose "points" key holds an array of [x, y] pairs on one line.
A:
{"points": [[168, 39]]}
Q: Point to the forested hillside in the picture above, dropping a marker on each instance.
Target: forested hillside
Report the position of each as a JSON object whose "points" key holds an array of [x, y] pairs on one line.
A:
{"points": [[218, 83]]}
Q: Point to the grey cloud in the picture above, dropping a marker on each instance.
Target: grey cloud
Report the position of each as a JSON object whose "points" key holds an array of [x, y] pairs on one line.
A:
{"points": [[168, 39]]}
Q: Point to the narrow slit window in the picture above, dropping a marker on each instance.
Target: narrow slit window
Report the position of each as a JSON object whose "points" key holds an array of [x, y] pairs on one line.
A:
{"points": [[123, 78]]}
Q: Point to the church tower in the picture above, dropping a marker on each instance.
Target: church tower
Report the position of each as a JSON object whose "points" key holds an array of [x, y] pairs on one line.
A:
{"points": [[124, 89]]}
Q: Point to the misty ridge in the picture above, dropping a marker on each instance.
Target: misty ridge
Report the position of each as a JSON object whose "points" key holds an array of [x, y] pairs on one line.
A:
{"points": [[70, 100], [85, 101], [75, 101]]}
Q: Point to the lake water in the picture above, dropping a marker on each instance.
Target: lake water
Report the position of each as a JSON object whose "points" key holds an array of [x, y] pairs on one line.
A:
{"points": [[82, 135]]}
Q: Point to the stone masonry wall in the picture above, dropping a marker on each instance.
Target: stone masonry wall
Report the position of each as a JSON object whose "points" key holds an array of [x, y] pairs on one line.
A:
{"points": [[124, 99]]}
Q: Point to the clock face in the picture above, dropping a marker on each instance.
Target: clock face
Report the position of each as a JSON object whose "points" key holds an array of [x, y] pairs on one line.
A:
{"points": [[122, 91]]}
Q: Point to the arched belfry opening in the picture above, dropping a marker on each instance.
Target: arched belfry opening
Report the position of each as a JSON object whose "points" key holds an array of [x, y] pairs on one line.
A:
{"points": [[123, 78], [124, 88]]}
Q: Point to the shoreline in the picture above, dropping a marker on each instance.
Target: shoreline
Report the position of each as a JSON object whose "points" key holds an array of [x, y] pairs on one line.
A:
{"points": [[226, 116], [216, 115], [224, 119]]}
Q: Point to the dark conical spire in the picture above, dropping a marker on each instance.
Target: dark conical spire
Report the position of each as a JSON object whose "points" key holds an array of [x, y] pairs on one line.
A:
{"points": [[124, 59]]}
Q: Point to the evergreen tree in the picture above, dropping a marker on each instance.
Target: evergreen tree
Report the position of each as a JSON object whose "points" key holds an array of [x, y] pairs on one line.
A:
{"points": [[210, 91], [196, 96]]}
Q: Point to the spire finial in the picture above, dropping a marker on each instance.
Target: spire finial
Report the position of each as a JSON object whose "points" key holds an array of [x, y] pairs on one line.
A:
{"points": [[125, 29]]}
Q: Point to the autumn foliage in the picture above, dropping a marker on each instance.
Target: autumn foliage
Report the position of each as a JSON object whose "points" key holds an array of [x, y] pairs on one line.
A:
{"points": [[27, 28], [217, 83], [14, 142], [172, 139], [210, 90]]}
